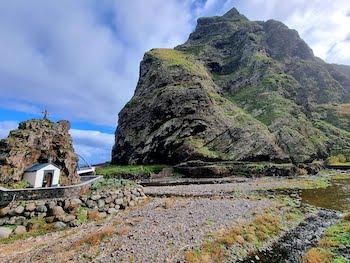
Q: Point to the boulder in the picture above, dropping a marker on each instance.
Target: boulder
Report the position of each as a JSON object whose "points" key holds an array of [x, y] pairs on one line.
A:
{"points": [[112, 211], [41, 209], [30, 207], [4, 211], [37, 141], [95, 197], [68, 218], [59, 225], [19, 210], [58, 211], [5, 232], [20, 230]]}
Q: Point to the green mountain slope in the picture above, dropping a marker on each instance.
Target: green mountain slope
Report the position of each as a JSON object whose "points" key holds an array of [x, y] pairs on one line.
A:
{"points": [[236, 90]]}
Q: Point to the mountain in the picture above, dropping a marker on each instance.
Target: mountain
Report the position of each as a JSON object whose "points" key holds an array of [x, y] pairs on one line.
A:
{"points": [[236, 90], [37, 141]]}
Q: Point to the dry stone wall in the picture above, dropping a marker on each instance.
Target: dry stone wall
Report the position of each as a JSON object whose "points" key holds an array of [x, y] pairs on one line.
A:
{"points": [[18, 216]]}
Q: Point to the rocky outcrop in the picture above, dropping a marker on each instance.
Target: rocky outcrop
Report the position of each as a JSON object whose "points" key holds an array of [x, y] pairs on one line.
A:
{"points": [[236, 90], [37, 141]]}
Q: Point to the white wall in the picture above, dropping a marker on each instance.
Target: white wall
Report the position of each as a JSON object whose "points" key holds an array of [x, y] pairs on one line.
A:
{"points": [[31, 178], [36, 178]]}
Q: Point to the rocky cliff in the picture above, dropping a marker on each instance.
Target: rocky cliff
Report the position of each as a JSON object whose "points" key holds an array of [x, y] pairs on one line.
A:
{"points": [[38, 141], [236, 90]]}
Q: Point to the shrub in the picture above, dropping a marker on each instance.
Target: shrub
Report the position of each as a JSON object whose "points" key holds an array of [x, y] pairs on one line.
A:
{"points": [[316, 255], [118, 171], [95, 238], [19, 185]]}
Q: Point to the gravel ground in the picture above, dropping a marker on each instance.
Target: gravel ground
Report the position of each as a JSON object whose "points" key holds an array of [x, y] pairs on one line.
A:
{"points": [[207, 190], [158, 231], [170, 226]]}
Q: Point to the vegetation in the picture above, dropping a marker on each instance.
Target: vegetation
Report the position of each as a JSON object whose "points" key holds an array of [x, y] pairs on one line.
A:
{"points": [[339, 159], [239, 241], [118, 171], [336, 238], [178, 58], [19, 185], [94, 238], [37, 227], [111, 183]]}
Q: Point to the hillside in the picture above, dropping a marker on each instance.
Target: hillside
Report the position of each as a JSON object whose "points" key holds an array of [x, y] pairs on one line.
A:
{"points": [[236, 90]]}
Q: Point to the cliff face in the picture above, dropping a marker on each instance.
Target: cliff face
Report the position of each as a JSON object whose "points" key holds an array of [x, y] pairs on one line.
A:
{"points": [[236, 90], [38, 141]]}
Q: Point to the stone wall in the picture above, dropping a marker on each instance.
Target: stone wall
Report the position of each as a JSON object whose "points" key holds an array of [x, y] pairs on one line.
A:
{"points": [[67, 212], [71, 191]]}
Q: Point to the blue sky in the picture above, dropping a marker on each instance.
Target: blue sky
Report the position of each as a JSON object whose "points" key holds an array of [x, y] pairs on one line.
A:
{"points": [[80, 59]]}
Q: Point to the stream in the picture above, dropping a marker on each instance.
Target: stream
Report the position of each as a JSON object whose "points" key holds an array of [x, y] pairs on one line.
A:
{"points": [[294, 243]]}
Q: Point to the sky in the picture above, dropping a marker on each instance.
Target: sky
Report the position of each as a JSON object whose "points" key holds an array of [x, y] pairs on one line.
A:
{"points": [[80, 59]]}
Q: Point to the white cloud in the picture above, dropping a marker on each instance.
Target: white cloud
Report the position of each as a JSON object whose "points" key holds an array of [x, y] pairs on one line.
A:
{"points": [[322, 24], [94, 146], [6, 127], [80, 58]]}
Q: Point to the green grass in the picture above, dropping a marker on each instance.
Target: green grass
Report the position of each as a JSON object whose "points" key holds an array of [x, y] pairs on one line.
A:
{"points": [[19, 185], [240, 240], [178, 58], [336, 237], [116, 171], [82, 215], [110, 183], [41, 229]]}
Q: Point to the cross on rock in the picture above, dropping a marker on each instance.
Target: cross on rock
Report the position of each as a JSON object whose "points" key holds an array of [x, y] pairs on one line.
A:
{"points": [[46, 113]]}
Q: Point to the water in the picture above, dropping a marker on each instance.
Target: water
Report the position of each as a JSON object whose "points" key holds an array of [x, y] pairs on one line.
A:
{"points": [[335, 197]]}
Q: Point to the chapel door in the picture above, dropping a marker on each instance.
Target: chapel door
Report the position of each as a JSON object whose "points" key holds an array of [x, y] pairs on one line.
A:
{"points": [[48, 177]]}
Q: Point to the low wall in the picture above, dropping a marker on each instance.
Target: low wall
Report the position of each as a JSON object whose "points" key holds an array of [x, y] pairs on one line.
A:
{"points": [[69, 212], [71, 191]]}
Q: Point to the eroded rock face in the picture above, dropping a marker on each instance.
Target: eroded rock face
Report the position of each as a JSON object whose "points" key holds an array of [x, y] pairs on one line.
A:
{"points": [[38, 141], [236, 90]]}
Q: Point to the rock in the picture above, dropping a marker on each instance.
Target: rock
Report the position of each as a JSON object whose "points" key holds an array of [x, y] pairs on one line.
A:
{"points": [[4, 211], [3, 220], [90, 203], [75, 203], [101, 203], [5, 232], [109, 200], [58, 211], [20, 230], [50, 219], [95, 197], [118, 201], [30, 207], [19, 210], [112, 211], [66, 204], [38, 141], [102, 214], [59, 225], [68, 218], [41, 209], [74, 223], [250, 91], [50, 205], [20, 220]]}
